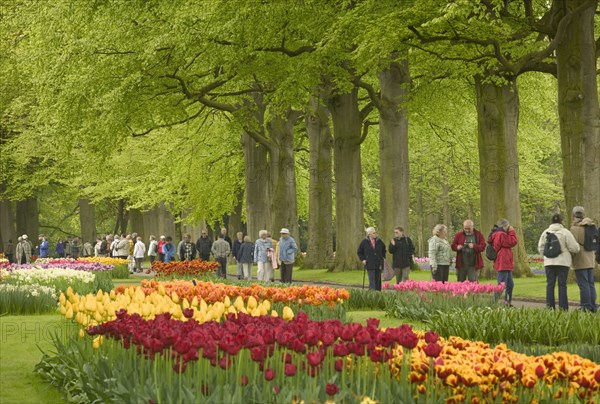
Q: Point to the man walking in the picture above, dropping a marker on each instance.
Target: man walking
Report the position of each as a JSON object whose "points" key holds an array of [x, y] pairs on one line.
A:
{"points": [[221, 251]]}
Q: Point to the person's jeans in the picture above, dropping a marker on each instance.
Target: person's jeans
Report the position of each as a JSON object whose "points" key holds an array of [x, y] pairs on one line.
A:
{"points": [[286, 272], [587, 289], [240, 270], [138, 264], [507, 278], [441, 274], [222, 272], [205, 257], [554, 272], [374, 279]]}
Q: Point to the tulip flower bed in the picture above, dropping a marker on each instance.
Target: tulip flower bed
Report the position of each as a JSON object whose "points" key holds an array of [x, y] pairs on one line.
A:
{"points": [[529, 327], [93, 309], [269, 359], [57, 278], [320, 302], [27, 299], [419, 300], [191, 268]]}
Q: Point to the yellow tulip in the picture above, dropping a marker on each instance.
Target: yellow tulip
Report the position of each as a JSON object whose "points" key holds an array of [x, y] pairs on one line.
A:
{"points": [[267, 305], [274, 313], [69, 291], [203, 306], [288, 314], [252, 303], [98, 317], [185, 304], [81, 333], [227, 301], [195, 301], [112, 294], [174, 297], [161, 289], [62, 299], [69, 313], [97, 342], [238, 303]]}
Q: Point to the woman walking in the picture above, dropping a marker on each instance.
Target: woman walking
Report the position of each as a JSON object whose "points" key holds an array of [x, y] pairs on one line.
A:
{"points": [[440, 254]]}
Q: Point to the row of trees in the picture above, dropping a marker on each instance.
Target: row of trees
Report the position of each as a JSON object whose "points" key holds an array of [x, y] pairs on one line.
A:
{"points": [[275, 111]]}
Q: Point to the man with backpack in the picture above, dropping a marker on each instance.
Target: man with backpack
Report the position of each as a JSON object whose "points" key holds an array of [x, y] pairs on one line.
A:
{"points": [[557, 244], [586, 234]]}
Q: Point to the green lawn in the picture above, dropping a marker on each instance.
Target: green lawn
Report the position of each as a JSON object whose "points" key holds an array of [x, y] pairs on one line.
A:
{"points": [[20, 337]]}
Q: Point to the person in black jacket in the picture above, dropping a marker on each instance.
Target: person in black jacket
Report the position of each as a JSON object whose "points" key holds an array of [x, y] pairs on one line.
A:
{"points": [[402, 249], [204, 245], [371, 252], [187, 249]]}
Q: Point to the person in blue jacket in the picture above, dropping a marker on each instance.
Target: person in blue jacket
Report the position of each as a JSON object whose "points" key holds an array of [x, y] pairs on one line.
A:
{"points": [[169, 249]]}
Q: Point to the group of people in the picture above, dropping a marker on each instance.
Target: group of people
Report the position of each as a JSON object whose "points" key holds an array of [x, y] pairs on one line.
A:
{"points": [[469, 244], [23, 251], [266, 252]]}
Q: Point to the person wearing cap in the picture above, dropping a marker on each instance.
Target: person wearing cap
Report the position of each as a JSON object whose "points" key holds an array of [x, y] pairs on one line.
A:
{"points": [[583, 261], [287, 255], [161, 254]]}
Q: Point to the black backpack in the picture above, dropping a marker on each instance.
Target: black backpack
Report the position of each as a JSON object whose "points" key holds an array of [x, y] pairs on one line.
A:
{"points": [[490, 253], [552, 246], [590, 238], [103, 249]]}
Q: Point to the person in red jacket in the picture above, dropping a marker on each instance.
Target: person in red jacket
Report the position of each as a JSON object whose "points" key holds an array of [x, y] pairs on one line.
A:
{"points": [[468, 244], [504, 239]]}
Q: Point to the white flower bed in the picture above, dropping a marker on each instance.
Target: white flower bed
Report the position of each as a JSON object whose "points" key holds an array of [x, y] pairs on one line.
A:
{"points": [[49, 276]]}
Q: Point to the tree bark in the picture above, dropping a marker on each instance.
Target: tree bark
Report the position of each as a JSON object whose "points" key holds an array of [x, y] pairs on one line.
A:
{"points": [[393, 149], [256, 177], [235, 218], [349, 223], [282, 169], [7, 222], [137, 223], [320, 215], [87, 220], [497, 119], [578, 112], [28, 219], [420, 222]]}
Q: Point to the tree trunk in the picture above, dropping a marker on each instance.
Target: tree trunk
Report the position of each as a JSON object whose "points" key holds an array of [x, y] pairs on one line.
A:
{"points": [[420, 222], [349, 223], [122, 218], [446, 215], [284, 207], [256, 176], [578, 112], [320, 214], [7, 223], [87, 221], [235, 218], [497, 118], [28, 219], [137, 223], [393, 149]]}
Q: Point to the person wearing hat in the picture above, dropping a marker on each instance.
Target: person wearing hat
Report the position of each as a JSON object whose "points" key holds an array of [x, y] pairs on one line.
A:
{"points": [[161, 254], [287, 255], [583, 261]]}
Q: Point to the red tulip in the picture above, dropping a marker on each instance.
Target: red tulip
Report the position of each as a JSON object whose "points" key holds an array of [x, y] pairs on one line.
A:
{"points": [[433, 349], [331, 389], [431, 337], [269, 374], [290, 369]]}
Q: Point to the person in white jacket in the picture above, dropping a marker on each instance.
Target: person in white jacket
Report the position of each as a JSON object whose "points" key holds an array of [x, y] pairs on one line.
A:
{"points": [[139, 249], [558, 267]]}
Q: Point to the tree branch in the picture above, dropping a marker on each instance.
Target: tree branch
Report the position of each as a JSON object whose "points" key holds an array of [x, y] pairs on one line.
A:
{"points": [[373, 96], [365, 130], [366, 110], [168, 125]]}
